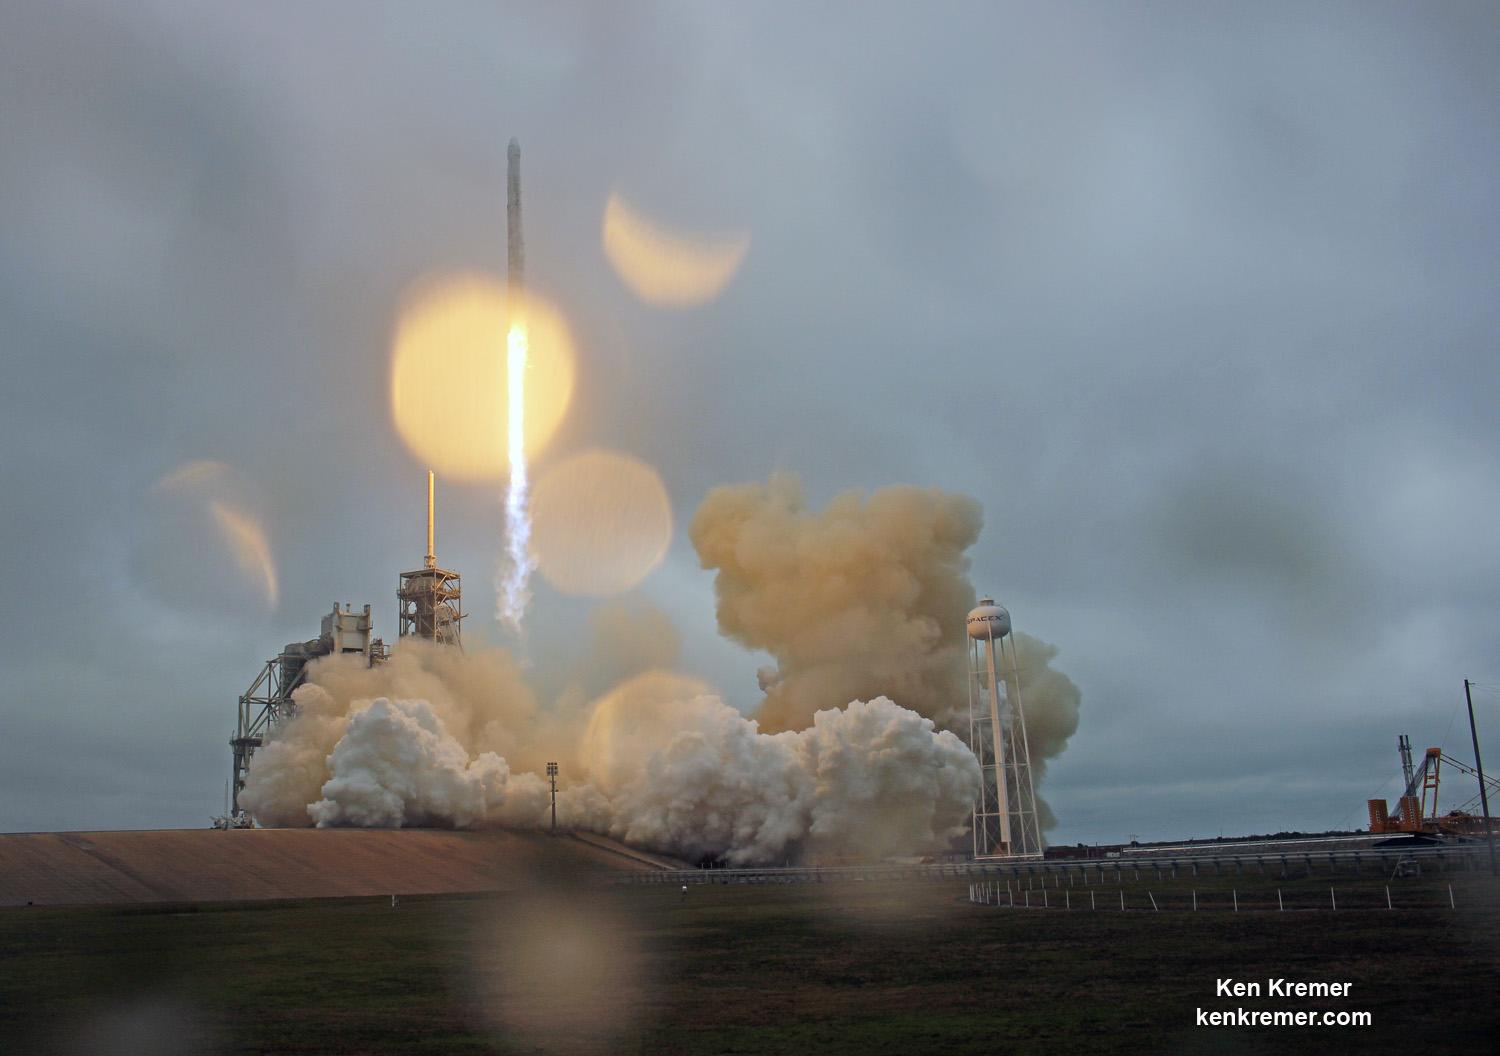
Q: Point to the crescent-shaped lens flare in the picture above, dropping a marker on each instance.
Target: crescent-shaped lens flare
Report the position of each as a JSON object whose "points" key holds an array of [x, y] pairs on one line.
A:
{"points": [[669, 268]]}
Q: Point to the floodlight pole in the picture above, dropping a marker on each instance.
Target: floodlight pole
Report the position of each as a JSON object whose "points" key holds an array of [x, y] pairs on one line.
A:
{"points": [[552, 776], [1484, 797]]}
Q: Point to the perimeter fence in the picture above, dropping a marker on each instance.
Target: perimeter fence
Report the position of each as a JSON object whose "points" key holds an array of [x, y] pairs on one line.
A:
{"points": [[1042, 875], [1258, 899]]}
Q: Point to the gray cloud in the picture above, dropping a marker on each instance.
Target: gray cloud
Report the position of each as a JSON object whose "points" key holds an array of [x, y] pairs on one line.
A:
{"points": [[1198, 303]]}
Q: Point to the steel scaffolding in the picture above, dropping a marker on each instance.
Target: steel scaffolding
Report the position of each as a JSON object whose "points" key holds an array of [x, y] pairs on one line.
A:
{"points": [[268, 703], [430, 598]]}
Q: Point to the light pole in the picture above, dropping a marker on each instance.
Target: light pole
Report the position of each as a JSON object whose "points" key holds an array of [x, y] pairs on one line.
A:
{"points": [[552, 776], [1484, 797]]}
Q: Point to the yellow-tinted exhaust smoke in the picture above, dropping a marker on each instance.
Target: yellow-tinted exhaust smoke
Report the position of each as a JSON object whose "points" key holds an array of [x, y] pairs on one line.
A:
{"points": [[864, 598]]}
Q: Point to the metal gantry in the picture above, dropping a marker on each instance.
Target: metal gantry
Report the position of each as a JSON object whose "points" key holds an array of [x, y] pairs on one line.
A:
{"points": [[430, 600], [263, 707], [269, 703], [1417, 807]]}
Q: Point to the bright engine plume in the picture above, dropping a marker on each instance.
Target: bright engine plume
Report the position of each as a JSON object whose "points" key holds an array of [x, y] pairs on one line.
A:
{"points": [[512, 592]]}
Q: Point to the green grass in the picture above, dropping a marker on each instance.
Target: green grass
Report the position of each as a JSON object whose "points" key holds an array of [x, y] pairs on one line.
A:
{"points": [[835, 968]]}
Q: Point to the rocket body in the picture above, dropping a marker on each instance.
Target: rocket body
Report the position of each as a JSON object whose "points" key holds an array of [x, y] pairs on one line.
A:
{"points": [[516, 248], [515, 570]]}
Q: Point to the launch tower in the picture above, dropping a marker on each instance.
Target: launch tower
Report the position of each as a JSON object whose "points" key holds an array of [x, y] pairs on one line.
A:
{"points": [[431, 607], [430, 598], [1005, 821], [268, 702]]}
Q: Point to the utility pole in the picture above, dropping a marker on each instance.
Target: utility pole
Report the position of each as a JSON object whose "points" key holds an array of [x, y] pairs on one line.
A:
{"points": [[552, 776], [1484, 796]]}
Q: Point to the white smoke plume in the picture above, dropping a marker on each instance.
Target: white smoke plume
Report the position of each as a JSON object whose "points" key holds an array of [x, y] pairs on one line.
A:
{"points": [[869, 778], [658, 764], [397, 764], [863, 607]]}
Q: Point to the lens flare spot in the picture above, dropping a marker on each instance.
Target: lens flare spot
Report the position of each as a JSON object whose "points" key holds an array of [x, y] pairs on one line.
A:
{"points": [[626, 725], [198, 510], [669, 268], [601, 521], [247, 541], [450, 376], [563, 970], [196, 474]]}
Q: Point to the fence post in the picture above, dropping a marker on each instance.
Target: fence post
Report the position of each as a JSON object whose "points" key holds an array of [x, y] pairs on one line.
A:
{"points": [[1236, 895], [1333, 898], [1279, 904]]}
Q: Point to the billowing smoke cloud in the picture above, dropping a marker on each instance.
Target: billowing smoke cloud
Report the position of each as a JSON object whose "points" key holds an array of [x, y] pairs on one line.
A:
{"points": [[397, 765], [872, 777], [657, 762], [862, 606], [865, 597]]}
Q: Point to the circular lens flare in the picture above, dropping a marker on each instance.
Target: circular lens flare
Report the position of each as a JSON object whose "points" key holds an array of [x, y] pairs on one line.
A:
{"points": [[634, 719], [450, 375], [600, 522]]}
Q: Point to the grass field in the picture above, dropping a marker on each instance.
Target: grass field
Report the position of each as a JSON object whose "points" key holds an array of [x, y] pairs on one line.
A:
{"points": [[575, 966]]}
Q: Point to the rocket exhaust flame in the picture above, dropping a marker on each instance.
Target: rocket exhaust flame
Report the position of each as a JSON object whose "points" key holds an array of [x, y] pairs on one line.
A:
{"points": [[519, 561], [513, 593]]}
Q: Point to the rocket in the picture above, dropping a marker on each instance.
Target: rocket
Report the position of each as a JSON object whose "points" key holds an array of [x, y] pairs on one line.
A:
{"points": [[516, 255]]}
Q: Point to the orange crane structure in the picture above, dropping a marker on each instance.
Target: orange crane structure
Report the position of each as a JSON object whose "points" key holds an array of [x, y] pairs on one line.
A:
{"points": [[1417, 809]]}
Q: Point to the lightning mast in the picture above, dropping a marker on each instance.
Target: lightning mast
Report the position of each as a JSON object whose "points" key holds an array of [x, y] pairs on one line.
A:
{"points": [[431, 598]]}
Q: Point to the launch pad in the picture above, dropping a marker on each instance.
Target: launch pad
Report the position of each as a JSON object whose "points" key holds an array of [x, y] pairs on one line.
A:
{"points": [[430, 604]]}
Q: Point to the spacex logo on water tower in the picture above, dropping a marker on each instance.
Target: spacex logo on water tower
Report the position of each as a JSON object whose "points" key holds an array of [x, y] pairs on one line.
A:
{"points": [[1005, 822]]}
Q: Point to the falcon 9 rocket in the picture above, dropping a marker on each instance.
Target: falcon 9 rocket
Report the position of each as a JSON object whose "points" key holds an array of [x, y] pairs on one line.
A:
{"points": [[515, 572]]}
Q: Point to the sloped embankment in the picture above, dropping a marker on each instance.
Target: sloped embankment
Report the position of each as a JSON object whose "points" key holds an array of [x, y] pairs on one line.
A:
{"points": [[207, 865]]}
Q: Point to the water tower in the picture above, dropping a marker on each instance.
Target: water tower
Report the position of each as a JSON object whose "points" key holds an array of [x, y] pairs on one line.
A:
{"points": [[1005, 822]]}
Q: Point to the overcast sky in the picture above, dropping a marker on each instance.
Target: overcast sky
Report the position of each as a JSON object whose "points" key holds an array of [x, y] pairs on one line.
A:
{"points": [[1198, 300]]}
